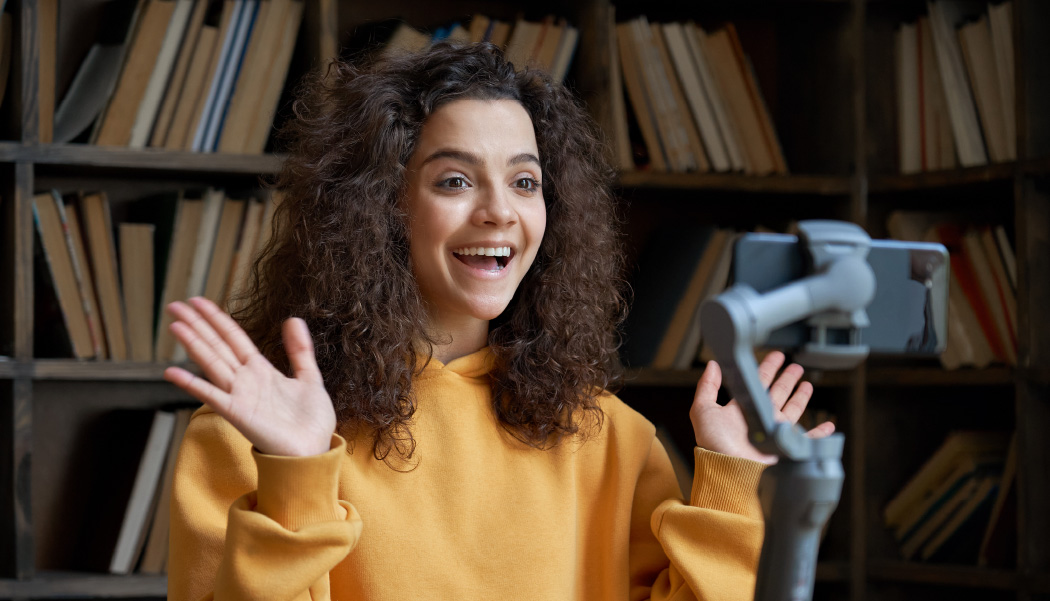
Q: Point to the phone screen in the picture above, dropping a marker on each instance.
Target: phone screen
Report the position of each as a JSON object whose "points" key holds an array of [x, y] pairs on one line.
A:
{"points": [[908, 315]]}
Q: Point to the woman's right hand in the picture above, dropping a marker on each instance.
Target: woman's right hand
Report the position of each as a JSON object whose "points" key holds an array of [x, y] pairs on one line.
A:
{"points": [[279, 415]]}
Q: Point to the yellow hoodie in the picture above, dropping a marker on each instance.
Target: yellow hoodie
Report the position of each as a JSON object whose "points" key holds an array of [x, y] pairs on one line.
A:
{"points": [[481, 515]]}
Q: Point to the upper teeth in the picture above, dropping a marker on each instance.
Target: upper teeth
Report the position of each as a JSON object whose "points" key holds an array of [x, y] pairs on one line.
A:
{"points": [[501, 251]]}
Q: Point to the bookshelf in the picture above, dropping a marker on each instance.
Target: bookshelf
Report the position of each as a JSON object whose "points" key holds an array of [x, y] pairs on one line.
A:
{"points": [[824, 67]]}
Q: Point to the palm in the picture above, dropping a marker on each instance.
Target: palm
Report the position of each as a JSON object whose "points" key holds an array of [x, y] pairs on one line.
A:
{"points": [[724, 429], [278, 414]]}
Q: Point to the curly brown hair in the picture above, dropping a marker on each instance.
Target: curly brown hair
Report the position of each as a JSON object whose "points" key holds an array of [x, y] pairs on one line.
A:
{"points": [[339, 256]]}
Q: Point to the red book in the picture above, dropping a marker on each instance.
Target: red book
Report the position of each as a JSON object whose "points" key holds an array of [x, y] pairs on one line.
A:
{"points": [[951, 235]]}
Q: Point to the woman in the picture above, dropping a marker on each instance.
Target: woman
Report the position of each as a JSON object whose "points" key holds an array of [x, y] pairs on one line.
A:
{"points": [[435, 423]]}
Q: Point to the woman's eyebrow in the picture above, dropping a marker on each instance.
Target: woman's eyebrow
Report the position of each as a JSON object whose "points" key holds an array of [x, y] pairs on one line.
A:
{"points": [[471, 158]]}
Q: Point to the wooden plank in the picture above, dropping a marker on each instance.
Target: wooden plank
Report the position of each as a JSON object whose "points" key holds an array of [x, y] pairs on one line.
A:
{"points": [[782, 184], [23, 262], [155, 159], [48, 585], [855, 466], [22, 447], [944, 179], [948, 575], [7, 267], [30, 53]]}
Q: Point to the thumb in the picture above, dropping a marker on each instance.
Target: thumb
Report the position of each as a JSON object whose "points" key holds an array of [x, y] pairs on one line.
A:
{"points": [[707, 387], [300, 349]]}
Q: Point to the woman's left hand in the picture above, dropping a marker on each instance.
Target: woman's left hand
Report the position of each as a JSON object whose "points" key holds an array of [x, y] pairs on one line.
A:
{"points": [[723, 428]]}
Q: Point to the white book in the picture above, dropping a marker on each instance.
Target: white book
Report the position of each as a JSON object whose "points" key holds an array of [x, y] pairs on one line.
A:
{"points": [[213, 86], [158, 80], [695, 95], [714, 94], [944, 18], [908, 129], [147, 478], [209, 228], [676, 141], [566, 50]]}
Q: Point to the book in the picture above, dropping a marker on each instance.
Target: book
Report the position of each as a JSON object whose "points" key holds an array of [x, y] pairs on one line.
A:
{"points": [[970, 516], [98, 230], [991, 291], [1000, 21], [694, 150], [692, 348], [641, 103], [224, 19], [731, 78], [911, 546], [263, 115], [938, 141], [249, 85], [136, 268], [141, 500], [190, 103], [969, 144], [149, 105], [240, 269], [522, 42], [1006, 253], [88, 92], [85, 278], [938, 467], [665, 269], [693, 88], [191, 39], [727, 130], [688, 303], [50, 227], [758, 102], [222, 255], [140, 60], [230, 71], [563, 56], [154, 556], [998, 546], [211, 212], [188, 213], [909, 131], [613, 111], [975, 41]]}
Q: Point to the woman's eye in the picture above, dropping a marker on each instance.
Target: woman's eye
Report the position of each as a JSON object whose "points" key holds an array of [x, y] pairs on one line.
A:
{"points": [[454, 182], [527, 183]]}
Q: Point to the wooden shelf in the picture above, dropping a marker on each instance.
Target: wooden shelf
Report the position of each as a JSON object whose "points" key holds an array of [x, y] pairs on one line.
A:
{"points": [[957, 575], [734, 182], [70, 369], [887, 377], [85, 155], [943, 179], [51, 585]]}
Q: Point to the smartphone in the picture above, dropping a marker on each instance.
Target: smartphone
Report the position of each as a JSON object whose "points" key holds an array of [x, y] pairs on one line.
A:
{"points": [[908, 316]]}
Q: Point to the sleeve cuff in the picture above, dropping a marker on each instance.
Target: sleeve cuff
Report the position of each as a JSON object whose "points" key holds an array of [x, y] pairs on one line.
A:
{"points": [[726, 483], [298, 491]]}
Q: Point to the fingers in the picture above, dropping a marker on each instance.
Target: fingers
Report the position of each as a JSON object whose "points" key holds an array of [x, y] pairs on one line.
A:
{"points": [[300, 348], [203, 354], [793, 408], [199, 388], [242, 346], [781, 389], [823, 430], [193, 318], [710, 382], [768, 368]]}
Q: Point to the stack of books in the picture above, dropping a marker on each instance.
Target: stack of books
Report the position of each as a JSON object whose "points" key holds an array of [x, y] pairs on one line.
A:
{"points": [[955, 88], [982, 293], [695, 101], [200, 75], [106, 294], [955, 506]]}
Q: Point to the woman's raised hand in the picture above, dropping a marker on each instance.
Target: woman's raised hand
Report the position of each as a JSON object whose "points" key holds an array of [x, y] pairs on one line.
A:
{"points": [[278, 414], [723, 429]]}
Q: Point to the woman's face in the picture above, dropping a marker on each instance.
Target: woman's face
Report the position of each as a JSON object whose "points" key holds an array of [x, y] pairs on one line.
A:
{"points": [[475, 207]]}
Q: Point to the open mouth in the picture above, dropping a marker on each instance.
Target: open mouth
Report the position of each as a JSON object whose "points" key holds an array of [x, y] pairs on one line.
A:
{"points": [[485, 258]]}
